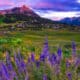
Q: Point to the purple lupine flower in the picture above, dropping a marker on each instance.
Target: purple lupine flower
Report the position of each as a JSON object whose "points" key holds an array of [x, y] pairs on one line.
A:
{"points": [[53, 59], [45, 77], [14, 75], [42, 57], [32, 57], [23, 65], [73, 48], [69, 75], [27, 76], [8, 62], [68, 64], [37, 64], [1, 76], [57, 69], [59, 53], [29, 59], [0, 73], [77, 62], [21, 60], [17, 62], [45, 51], [5, 71]]}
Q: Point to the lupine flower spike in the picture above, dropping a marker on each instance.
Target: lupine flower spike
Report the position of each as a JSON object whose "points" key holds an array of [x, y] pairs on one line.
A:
{"points": [[45, 77]]}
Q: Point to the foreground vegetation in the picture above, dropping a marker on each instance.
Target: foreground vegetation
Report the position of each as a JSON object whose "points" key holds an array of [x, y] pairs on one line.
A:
{"points": [[46, 66]]}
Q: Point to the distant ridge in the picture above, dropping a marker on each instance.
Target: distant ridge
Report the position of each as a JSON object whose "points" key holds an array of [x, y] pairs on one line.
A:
{"points": [[72, 21]]}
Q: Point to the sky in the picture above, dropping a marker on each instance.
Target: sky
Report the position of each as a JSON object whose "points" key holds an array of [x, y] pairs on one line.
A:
{"points": [[52, 9]]}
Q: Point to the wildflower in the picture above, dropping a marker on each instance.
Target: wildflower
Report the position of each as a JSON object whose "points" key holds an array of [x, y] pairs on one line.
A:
{"points": [[69, 75], [44, 77], [68, 64], [37, 57], [1, 76], [59, 53], [42, 57], [32, 57], [45, 50], [23, 65], [8, 62], [5, 71], [77, 62], [29, 60], [26, 76], [14, 75], [57, 69], [37, 63], [71, 60], [53, 59], [17, 62]]}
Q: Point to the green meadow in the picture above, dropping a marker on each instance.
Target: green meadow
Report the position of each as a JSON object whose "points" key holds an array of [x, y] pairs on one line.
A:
{"points": [[29, 41]]}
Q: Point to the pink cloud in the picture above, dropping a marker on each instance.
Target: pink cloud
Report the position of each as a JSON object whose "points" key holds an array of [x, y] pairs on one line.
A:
{"points": [[6, 3], [44, 5], [47, 5], [55, 18]]}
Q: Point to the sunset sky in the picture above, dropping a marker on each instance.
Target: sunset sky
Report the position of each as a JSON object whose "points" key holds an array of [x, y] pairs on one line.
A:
{"points": [[52, 9]]}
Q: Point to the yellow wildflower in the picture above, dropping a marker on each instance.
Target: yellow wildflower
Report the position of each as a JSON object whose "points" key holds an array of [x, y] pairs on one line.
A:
{"points": [[37, 57]]}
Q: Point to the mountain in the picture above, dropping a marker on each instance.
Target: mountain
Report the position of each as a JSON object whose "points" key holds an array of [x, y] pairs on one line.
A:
{"points": [[71, 21], [19, 10], [23, 13]]}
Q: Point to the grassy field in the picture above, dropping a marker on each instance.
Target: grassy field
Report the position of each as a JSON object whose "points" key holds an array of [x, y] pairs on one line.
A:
{"points": [[25, 50], [33, 40]]}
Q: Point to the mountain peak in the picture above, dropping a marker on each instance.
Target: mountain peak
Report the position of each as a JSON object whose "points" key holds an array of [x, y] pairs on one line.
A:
{"points": [[25, 8]]}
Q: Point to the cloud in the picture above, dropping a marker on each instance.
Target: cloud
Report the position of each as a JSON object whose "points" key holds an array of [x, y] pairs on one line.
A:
{"points": [[58, 5], [78, 1], [7, 2], [44, 5], [52, 9], [56, 15]]}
